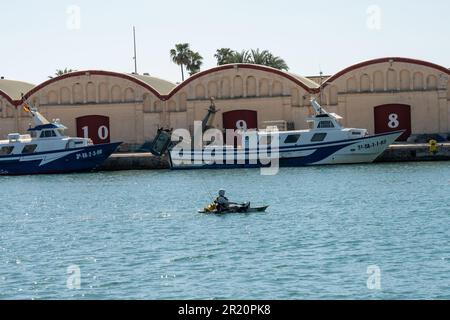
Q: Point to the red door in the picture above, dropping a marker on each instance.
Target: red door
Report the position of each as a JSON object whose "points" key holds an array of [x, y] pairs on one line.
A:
{"points": [[95, 128], [393, 117], [240, 119]]}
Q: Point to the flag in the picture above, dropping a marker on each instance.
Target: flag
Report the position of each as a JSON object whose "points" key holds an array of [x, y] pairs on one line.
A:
{"points": [[26, 108]]}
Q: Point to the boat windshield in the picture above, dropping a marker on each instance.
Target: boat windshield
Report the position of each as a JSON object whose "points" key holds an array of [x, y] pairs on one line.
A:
{"points": [[61, 132]]}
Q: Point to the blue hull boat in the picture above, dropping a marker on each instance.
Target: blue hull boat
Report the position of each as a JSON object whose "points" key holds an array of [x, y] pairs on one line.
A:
{"points": [[46, 149], [58, 161]]}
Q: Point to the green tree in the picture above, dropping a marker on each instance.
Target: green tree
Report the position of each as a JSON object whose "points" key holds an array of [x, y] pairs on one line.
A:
{"points": [[258, 57], [195, 62], [180, 55], [60, 72], [276, 62], [241, 57], [224, 56], [261, 57]]}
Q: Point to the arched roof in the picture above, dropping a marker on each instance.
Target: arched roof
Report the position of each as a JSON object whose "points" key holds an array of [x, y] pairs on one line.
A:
{"points": [[164, 90], [7, 98], [162, 86], [146, 84], [12, 90], [384, 60], [303, 82]]}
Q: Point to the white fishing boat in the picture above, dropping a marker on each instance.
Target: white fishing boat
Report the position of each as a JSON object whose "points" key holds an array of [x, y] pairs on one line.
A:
{"points": [[327, 142], [46, 149]]}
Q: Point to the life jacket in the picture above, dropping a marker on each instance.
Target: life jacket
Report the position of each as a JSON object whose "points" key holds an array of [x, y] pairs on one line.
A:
{"points": [[219, 205]]}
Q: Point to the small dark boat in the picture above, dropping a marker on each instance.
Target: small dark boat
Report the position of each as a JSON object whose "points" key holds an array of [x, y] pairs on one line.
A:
{"points": [[239, 208]]}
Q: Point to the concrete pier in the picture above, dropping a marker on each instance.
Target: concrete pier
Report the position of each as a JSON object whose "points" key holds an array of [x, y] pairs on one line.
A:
{"points": [[134, 161], [415, 152], [395, 153]]}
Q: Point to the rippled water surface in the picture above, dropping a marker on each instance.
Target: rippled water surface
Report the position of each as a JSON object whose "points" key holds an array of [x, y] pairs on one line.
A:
{"points": [[136, 235]]}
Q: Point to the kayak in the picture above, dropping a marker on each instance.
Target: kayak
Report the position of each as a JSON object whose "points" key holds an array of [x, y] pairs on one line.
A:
{"points": [[244, 208]]}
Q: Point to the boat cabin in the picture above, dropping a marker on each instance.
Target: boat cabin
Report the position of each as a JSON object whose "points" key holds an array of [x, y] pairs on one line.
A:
{"points": [[44, 137]]}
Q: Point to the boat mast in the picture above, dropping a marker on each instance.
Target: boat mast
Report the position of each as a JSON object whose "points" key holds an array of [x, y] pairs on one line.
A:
{"points": [[135, 51]]}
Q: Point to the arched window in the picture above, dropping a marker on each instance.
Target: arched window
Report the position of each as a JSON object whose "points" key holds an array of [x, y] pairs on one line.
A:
{"points": [[226, 88], [365, 83], [183, 102], [158, 106], [129, 95], [116, 94], [200, 92], [103, 93], [333, 95], [10, 111], [277, 89], [147, 103], [90, 93], [172, 106], [418, 81], [238, 86], [264, 88], [378, 81], [212, 89], [351, 85], [65, 95], [405, 80], [431, 82], [391, 80], [295, 97], [251, 87], [78, 96], [52, 97]]}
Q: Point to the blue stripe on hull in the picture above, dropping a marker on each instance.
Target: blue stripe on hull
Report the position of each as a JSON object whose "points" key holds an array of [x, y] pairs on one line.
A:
{"points": [[318, 155], [74, 162]]}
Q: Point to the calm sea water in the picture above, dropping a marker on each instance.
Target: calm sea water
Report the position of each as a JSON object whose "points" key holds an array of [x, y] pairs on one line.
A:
{"points": [[136, 235]]}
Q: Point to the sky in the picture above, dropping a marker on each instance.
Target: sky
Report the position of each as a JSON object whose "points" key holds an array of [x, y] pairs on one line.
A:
{"points": [[38, 37]]}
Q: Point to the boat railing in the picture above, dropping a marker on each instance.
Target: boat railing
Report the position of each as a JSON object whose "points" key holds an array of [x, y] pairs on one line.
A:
{"points": [[16, 137]]}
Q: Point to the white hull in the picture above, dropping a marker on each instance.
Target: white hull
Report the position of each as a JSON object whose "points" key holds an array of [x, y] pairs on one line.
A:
{"points": [[362, 150]]}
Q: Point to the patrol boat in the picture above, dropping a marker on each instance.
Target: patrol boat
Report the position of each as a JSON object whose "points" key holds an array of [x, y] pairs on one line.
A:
{"points": [[46, 149], [327, 142]]}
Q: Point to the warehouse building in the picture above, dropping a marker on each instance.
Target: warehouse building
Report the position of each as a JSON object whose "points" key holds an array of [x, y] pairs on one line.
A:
{"points": [[381, 95]]}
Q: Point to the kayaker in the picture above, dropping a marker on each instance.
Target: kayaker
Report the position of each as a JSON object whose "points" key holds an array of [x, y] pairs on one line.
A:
{"points": [[222, 202]]}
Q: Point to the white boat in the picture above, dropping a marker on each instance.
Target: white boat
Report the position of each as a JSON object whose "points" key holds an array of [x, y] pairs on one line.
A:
{"points": [[46, 149], [326, 143]]}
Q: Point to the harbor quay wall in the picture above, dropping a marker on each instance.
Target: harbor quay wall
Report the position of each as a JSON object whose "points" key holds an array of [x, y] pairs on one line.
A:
{"points": [[415, 152], [395, 153], [134, 161]]}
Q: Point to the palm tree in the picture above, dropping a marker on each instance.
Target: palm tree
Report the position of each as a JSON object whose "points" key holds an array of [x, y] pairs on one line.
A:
{"points": [[180, 56], [60, 72], [224, 56], [195, 62], [276, 62], [258, 57], [241, 57], [261, 57]]}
